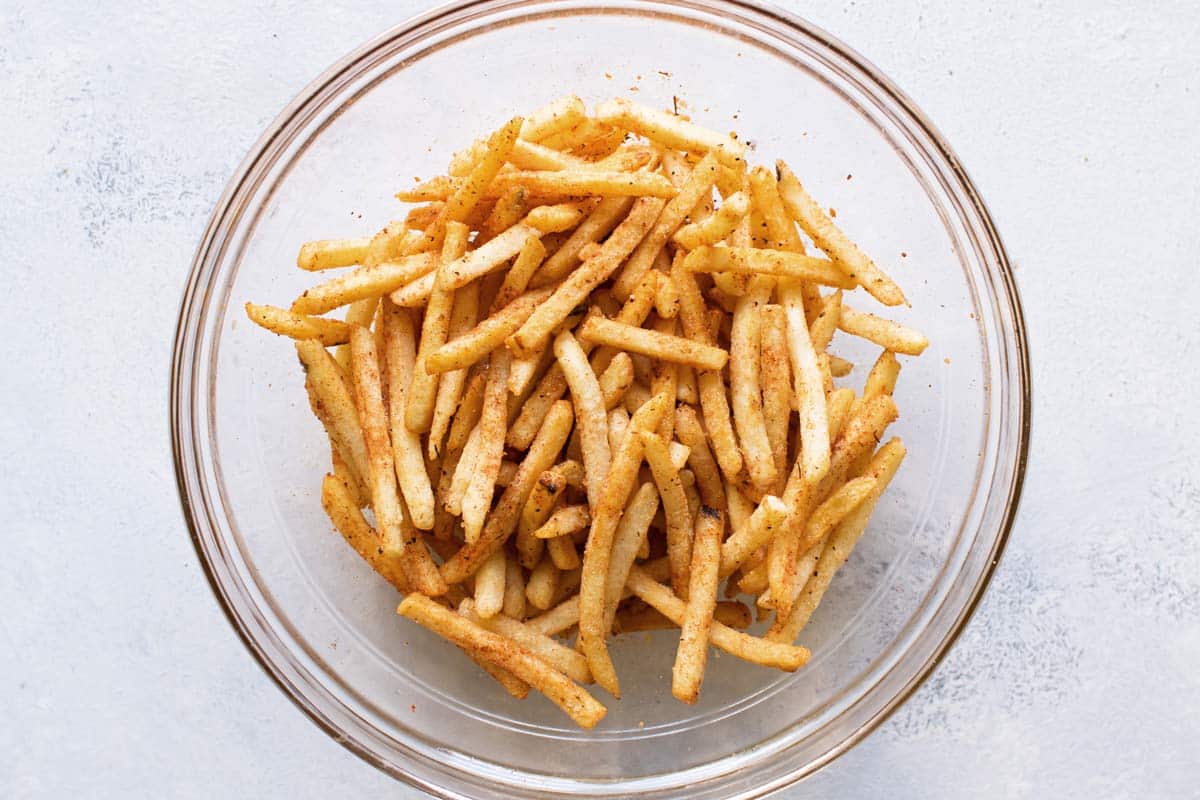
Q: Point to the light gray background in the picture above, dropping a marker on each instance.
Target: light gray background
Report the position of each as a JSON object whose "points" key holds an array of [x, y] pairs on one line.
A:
{"points": [[119, 125]]}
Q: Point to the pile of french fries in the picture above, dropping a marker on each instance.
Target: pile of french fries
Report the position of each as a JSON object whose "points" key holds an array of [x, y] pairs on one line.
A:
{"points": [[586, 381]]}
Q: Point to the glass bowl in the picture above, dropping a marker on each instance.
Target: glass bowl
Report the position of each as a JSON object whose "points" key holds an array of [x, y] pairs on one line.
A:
{"points": [[249, 455]]}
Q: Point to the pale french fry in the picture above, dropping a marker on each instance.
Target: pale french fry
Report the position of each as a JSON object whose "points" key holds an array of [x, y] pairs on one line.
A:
{"points": [[670, 130], [331, 253], [616, 379], [489, 585], [493, 425], [686, 390], [328, 332], [762, 526], [542, 585], [562, 658], [344, 512], [563, 553], [564, 522], [463, 473], [653, 344], [809, 388], [540, 504], [630, 533], [775, 376], [599, 223], [560, 114], [364, 282], [679, 519], [590, 415], [505, 653], [559, 217], [346, 474], [618, 424], [514, 589], [398, 362], [690, 658], [605, 517], [451, 385], [333, 405], [717, 227], [744, 385], [884, 332], [484, 338], [748, 648], [571, 292], [698, 185], [588, 182], [776, 263], [385, 498], [501, 523], [841, 542], [830, 239]]}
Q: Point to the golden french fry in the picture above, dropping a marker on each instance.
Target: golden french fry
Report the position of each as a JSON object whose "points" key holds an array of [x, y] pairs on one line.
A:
{"points": [[333, 405], [505, 653], [483, 175], [599, 223], [809, 388], [588, 182], [653, 344], [833, 510], [364, 282], [884, 332], [564, 659], [762, 526], [331, 253], [830, 239], [717, 227], [839, 367], [822, 326], [631, 620], [559, 217], [775, 376], [540, 504], [840, 404], [616, 379], [560, 114], [776, 263], [360, 312], [489, 585], [299, 326], [574, 290], [354, 528], [564, 522], [484, 338], [590, 415], [451, 385], [698, 185], [542, 585], [463, 473], [780, 228], [679, 520], [493, 425], [507, 211], [501, 523], [563, 553], [488, 257], [514, 589], [588, 139], [409, 462], [690, 658], [670, 130], [691, 433], [630, 533], [596, 558], [666, 301], [744, 385]]}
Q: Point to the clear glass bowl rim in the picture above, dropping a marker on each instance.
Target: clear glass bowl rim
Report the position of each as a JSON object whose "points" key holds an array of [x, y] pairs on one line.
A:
{"points": [[225, 214]]}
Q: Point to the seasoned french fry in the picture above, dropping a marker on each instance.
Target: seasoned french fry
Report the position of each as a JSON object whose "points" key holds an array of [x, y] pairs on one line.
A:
{"points": [[766, 521], [562, 658], [493, 425], [583, 182], [514, 589], [653, 344], [670, 130], [692, 654], [559, 217], [484, 338], [299, 326], [542, 585], [332, 253], [830, 239], [617, 377], [822, 327], [589, 139], [563, 553], [698, 185], [486, 258], [575, 289], [776, 263], [505, 653], [499, 146], [333, 405], [560, 114], [590, 415], [451, 385], [364, 282], [540, 504], [717, 227], [666, 301], [833, 510], [489, 585], [630, 533], [463, 473], [839, 367], [779, 227], [814, 423], [349, 521], [744, 385], [564, 522], [599, 223], [884, 332], [398, 362], [631, 620], [679, 520], [775, 376]]}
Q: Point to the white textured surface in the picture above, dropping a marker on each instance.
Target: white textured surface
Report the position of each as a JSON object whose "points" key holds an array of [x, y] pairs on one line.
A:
{"points": [[119, 676]]}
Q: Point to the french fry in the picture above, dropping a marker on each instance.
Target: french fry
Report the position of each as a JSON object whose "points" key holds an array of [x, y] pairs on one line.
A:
{"points": [[775, 377], [344, 512], [501, 523], [616, 379], [385, 499], [563, 659], [686, 390], [328, 332], [691, 433], [502, 652], [542, 585], [360, 312], [560, 114], [599, 223], [590, 416], [571, 292], [748, 648], [589, 139], [762, 526], [717, 227], [679, 520], [485, 259], [540, 504], [509, 208], [692, 654], [333, 405], [779, 227], [839, 367], [463, 473], [744, 385], [493, 425], [364, 282], [670, 130], [562, 553], [489, 585], [585, 182], [556, 620], [822, 327], [776, 263], [666, 300], [631, 620], [484, 338], [332, 253], [653, 344], [833, 510], [499, 146], [559, 217], [830, 239], [451, 385], [514, 589], [698, 185], [809, 388], [841, 404], [630, 533], [398, 362], [564, 522], [884, 332], [841, 542], [605, 517]]}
